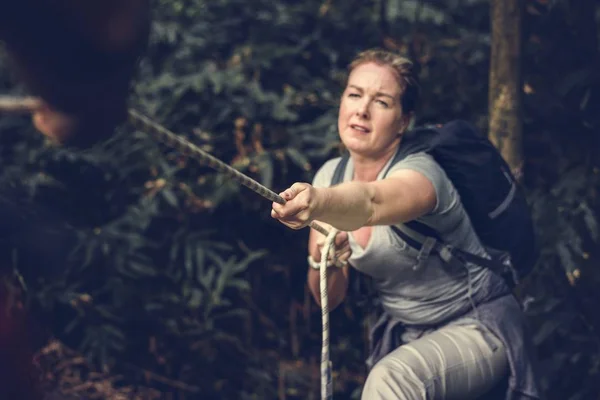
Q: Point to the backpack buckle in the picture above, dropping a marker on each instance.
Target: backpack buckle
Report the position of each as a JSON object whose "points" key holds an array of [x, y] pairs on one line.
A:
{"points": [[446, 253], [426, 248], [453, 261]]}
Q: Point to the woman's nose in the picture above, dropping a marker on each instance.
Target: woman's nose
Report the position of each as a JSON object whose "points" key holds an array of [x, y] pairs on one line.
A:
{"points": [[362, 110]]}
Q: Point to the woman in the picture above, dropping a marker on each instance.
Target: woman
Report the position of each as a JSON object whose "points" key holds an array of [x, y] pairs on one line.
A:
{"points": [[446, 335]]}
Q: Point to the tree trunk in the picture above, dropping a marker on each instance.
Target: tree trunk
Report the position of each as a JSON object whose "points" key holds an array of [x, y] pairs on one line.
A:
{"points": [[505, 125]]}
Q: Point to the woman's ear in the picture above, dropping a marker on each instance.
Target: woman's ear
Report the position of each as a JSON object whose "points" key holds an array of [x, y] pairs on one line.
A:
{"points": [[406, 123]]}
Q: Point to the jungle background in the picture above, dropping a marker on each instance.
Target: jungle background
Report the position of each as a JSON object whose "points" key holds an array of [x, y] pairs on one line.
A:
{"points": [[153, 277]]}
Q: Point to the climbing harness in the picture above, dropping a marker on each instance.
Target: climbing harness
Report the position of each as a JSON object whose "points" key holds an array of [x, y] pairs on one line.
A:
{"points": [[9, 104]]}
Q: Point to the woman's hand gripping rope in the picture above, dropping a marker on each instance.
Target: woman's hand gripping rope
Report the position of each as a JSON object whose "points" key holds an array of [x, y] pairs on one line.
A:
{"points": [[299, 208], [298, 211]]}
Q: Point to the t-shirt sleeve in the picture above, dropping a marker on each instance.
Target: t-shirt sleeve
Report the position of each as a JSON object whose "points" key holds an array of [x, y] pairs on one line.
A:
{"points": [[446, 195], [323, 176]]}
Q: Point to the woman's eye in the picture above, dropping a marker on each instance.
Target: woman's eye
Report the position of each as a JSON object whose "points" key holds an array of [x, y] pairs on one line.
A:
{"points": [[383, 103], [353, 95]]}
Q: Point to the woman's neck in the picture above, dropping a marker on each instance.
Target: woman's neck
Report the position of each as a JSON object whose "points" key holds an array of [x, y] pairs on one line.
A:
{"points": [[366, 169]]}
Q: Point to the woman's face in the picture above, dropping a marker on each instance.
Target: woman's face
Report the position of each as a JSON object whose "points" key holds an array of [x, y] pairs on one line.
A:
{"points": [[370, 120]]}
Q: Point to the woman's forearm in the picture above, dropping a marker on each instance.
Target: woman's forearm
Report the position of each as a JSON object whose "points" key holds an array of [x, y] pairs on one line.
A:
{"points": [[347, 207]]}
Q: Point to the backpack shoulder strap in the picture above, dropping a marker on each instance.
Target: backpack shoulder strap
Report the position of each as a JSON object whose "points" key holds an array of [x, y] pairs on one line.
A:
{"points": [[453, 256], [340, 169]]}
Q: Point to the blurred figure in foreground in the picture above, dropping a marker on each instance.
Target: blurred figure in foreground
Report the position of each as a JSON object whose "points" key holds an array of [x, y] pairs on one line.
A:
{"points": [[79, 58]]}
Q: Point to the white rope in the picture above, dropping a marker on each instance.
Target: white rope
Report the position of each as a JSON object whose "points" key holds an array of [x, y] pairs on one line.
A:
{"points": [[326, 380]]}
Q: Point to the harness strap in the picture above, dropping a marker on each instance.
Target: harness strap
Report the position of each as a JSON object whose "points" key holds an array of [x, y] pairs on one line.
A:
{"points": [[451, 255]]}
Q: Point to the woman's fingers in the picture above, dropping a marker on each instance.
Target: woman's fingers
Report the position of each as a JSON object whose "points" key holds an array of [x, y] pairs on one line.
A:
{"points": [[341, 238], [340, 252]]}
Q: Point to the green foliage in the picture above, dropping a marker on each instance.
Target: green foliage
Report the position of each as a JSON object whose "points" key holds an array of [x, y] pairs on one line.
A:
{"points": [[176, 278]]}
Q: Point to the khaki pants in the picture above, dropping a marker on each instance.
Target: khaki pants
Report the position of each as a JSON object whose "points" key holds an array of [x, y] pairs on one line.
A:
{"points": [[459, 362]]}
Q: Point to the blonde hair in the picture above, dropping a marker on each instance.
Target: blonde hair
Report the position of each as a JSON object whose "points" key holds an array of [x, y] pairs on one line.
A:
{"points": [[405, 70]]}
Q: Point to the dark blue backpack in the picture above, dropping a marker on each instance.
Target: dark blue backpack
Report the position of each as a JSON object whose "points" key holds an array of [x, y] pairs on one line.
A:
{"points": [[492, 198]]}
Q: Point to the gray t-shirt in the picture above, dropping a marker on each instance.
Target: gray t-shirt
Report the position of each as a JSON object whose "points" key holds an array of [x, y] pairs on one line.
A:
{"points": [[432, 293]]}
